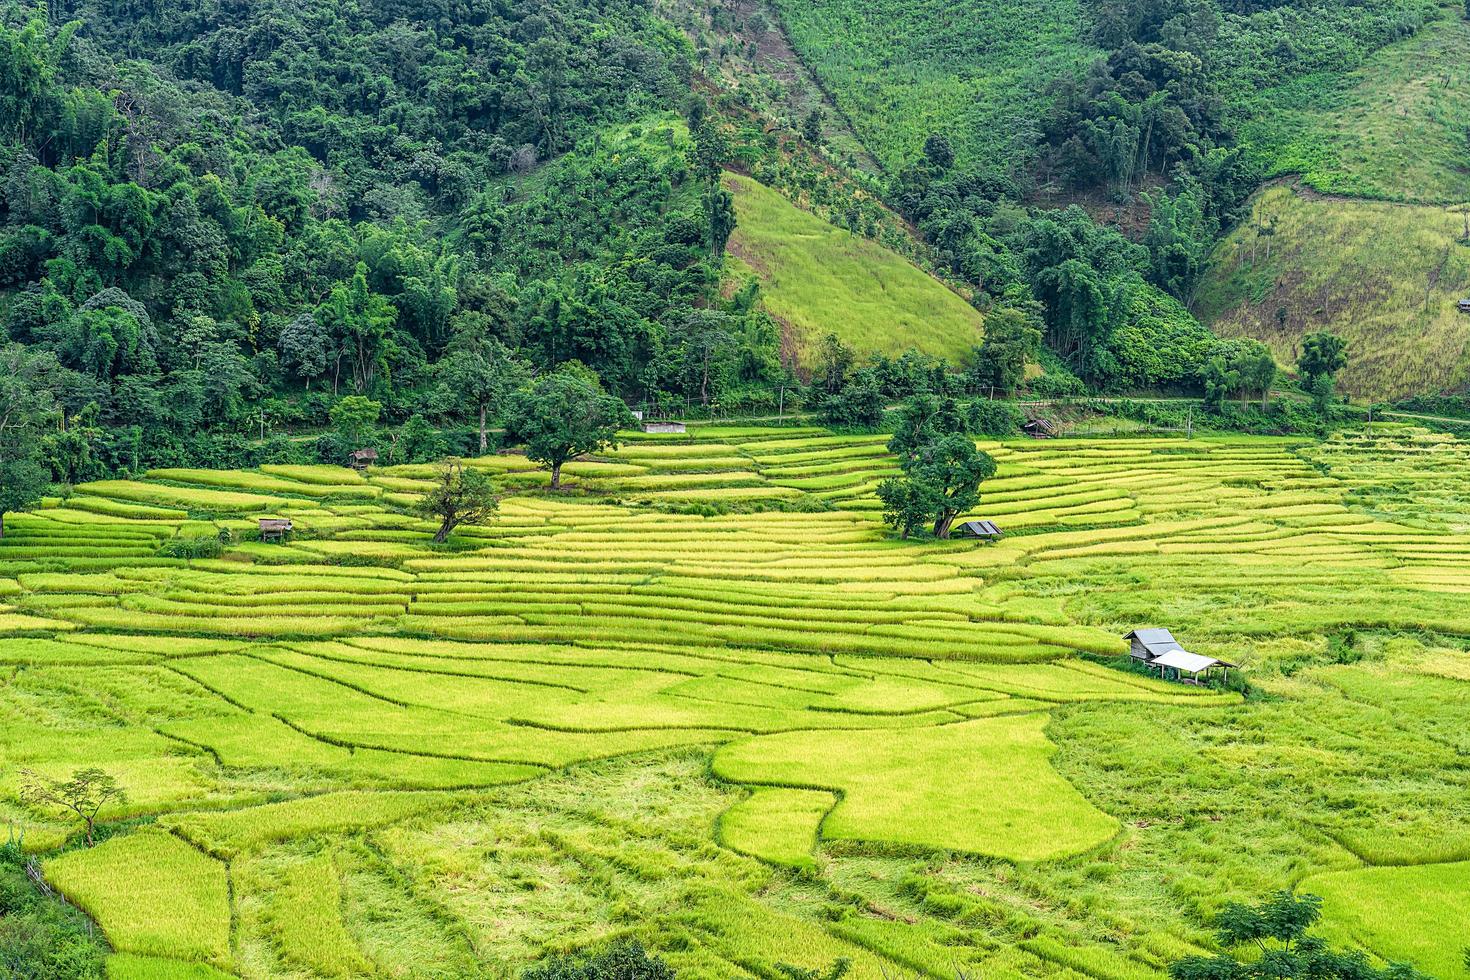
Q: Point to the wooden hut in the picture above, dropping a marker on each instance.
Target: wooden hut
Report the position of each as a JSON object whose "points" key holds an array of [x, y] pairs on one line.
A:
{"points": [[1150, 642], [985, 530], [361, 459], [1156, 647], [1039, 428], [275, 528]]}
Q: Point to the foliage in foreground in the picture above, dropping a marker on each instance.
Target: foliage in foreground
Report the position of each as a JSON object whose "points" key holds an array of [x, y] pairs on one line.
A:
{"points": [[628, 961], [42, 938], [1275, 932]]}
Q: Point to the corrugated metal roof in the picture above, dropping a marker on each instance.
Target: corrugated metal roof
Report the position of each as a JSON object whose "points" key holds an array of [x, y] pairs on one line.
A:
{"points": [[1191, 663], [1152, 636]]}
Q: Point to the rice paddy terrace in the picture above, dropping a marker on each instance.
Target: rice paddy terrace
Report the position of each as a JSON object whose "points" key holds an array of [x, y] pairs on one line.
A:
{"points": [[759, 737]]}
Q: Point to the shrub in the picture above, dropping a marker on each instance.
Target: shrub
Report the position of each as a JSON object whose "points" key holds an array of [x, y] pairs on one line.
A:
{"points": [[625, 962], [988, 418]]}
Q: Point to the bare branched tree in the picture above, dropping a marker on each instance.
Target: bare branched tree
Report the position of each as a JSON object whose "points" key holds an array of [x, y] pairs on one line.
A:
{"points": [[84, 793]]}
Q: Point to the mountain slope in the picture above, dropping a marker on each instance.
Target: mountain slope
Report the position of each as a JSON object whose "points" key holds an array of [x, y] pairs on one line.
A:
{"points": [[1386, 276], [817, 279]]}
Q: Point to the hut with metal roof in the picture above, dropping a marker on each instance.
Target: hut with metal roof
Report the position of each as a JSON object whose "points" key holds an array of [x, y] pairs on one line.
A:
{"points": [[275, 528], [1039, 428], [1183, 662], [985, 530], [1156, 647], [1150, 642]]}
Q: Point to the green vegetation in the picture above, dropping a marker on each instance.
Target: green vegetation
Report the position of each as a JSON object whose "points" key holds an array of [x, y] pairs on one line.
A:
{"points": [[1406, 914], [1385, 277], [904, 70], [1391, 129], [152, 894], [764, 731], [816, 278]]}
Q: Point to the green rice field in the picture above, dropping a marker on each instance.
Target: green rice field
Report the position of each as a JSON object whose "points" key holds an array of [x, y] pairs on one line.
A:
{"points": [[704, 699]]}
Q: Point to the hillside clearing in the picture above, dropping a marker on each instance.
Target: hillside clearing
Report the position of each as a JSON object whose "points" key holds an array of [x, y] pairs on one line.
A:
{"points": [[818, 279], [1360, 269]]}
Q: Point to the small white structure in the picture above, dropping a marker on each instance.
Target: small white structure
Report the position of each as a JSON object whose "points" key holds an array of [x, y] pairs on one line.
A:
{"points": [[1156, 647], [1182, 662], [663, 428]]}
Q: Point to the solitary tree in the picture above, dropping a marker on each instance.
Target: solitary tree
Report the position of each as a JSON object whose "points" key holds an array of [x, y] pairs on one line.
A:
{"points": [[564, 415], [942, 481], [85, 793], [460, 496]]}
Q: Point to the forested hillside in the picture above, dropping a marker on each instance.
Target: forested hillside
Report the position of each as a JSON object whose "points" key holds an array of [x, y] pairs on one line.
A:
{"points": [[217, 221]]}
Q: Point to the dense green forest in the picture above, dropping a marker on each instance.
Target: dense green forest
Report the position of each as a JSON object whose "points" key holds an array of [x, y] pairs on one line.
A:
{"points": [[218, 219]]}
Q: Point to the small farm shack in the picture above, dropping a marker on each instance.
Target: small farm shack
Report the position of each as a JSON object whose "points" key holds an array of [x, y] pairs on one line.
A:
{"points": [[1182, 662], [1146, 644], [663, 428], [1464, 305], [361, 459], [1039, 428], [985, 530], [1156, 647], [275, 528]]}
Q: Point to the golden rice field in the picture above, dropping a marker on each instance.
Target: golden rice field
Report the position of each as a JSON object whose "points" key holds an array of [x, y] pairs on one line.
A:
{"points": [[758, 733]]}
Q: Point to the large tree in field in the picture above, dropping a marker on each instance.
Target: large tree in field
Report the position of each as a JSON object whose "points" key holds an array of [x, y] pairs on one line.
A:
{"points": [[460, 496], [84, 793], [941, 482], [562, 416]]}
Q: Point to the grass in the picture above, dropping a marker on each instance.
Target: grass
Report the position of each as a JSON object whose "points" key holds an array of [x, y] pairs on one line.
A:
{"points": [[999, 797], [306, 920], [776, 825], [1392, 129], [1407, 914], [1361, 269], [153, 894], [903, 70], [807, 268], [759, 737]]}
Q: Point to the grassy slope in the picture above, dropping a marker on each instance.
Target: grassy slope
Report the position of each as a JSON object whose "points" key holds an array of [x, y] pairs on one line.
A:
{"points": [[818, 278], [1394, 131], [1359, 268], [902, 69]]}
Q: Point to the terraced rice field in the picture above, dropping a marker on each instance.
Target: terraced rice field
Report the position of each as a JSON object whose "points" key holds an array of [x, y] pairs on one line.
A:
{"points": [[769, 735]]}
